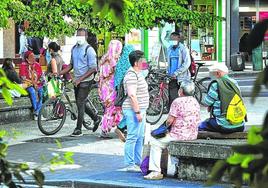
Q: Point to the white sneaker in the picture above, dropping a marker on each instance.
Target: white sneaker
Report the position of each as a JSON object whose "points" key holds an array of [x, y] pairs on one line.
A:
{"points": [[154, 176], [42, 118], [133, 168]]}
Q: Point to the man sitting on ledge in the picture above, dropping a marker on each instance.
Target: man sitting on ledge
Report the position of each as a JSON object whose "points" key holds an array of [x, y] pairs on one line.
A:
{"points": [[224, 103]]}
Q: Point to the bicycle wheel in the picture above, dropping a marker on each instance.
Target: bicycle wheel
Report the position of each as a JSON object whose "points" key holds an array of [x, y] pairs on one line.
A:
{"points": [[198, 93], [88, 122], [51, 116], [156, 107], [94, 97], [203, 85]]}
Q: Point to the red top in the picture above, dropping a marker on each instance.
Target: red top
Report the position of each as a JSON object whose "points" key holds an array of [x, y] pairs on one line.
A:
{"points": [[31, 72]]}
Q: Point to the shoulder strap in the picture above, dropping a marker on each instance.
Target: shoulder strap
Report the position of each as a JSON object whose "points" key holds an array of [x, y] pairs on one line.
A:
{"points": [[72, 50], [226, 90], [86, 50], [134, 73], [213, 81]]}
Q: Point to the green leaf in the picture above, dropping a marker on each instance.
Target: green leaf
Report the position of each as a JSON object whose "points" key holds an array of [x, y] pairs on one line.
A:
{"points": [[59, 145], [216, 172], [247, 160], [246, 177], [19, 89], [39, 177], [254, 136], [24, 166], [257, 86], [68, 156], [237, 159], [236, 173], [7, 96], [19, 176], [3, 149], [265, 169], [264, 132], [3, 133]]}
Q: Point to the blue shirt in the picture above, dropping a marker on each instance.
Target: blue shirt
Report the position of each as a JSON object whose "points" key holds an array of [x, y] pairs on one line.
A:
{"points": [[179, 62], [173, 57], [212, 100], [83, 61]]}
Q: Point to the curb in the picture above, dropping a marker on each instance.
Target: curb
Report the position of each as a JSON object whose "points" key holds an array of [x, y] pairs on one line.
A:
{"points": [[244, 74], [80, 184]]}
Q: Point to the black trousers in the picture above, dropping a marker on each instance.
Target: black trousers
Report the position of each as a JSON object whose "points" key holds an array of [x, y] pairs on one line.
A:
{"points": [[81, 93], [173, 88]]}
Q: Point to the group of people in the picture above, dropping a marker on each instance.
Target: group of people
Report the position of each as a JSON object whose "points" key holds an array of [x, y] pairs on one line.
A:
{"points": [[122, 64]]}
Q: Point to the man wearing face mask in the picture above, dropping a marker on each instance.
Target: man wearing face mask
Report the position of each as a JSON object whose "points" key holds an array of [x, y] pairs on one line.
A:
{"points": [[220, 93], [84, 63], [178, 64]]}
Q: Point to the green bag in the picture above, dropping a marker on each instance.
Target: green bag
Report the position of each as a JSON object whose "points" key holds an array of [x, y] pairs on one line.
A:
{"points": [[53, 88]]}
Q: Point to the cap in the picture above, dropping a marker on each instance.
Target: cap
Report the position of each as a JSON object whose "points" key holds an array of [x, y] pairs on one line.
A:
{"points": [[26, 54], [218, 67]]}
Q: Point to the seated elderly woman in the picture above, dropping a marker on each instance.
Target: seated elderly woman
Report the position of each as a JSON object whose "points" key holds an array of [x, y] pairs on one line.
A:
{"points": [[183, 119]]}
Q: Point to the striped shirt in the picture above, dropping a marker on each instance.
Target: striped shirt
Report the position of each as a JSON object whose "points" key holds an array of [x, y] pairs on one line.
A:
{"points": [[139, 87], [212, 100]]}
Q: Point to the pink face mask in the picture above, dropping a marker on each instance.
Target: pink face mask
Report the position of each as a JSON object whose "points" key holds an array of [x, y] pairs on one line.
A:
{"points": [[144, 65]]}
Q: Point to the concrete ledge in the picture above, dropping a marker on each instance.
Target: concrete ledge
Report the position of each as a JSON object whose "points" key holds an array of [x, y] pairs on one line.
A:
{"points": [[18, 103], [202, 148], [21, 109], [197, 157], [215, 135]]}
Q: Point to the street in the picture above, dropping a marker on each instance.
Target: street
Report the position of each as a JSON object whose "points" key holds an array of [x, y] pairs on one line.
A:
{"points": [[96, 160]]}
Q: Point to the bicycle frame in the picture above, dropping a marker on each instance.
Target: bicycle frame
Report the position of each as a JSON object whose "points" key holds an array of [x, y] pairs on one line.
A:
{"points": [[70, 106], [163, 90]]}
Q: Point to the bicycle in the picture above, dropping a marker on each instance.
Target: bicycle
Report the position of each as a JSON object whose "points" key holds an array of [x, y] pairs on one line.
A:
{"points": [[200, 87], [158, 100], [52, 115]]}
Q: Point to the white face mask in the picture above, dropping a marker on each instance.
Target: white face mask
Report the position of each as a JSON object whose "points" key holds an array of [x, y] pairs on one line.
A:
{"points": [[212, 76], [173, 42], [80, 40]]}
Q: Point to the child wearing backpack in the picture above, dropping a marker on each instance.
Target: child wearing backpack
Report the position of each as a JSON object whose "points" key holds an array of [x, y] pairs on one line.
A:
{"points": [[225, 103]]}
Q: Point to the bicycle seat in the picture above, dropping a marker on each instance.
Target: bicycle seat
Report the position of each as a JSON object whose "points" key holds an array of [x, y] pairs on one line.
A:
{"points": [[200, 64]]}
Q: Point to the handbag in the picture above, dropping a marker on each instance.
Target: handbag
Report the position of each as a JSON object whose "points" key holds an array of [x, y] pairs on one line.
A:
{"points": [[161, 131], [145, 166], [53, 88]]}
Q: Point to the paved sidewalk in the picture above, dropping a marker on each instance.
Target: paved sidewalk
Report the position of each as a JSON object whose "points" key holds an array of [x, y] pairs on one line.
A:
{"points": [[98, 162]]}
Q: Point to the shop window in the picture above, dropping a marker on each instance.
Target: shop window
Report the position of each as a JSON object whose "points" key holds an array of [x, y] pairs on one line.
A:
{"points": [[203, 43]]}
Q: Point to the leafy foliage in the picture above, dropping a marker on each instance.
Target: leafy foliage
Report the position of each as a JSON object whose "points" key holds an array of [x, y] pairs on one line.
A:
{"points": [[7, 85], [54, 18], [9, 171], [249, 163]]}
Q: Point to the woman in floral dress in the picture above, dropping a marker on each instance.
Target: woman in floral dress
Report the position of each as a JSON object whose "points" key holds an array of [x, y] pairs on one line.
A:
{"points": [[107, 93]]}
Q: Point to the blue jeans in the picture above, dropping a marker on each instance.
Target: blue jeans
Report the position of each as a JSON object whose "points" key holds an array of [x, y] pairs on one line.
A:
{"points": [[135, 137], [36, 102], [212, 125]]}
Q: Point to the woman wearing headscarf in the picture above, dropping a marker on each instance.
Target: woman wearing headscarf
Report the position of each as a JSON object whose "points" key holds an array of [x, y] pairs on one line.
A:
{"points": [[107, 91], [120, 70], [30, 72]]}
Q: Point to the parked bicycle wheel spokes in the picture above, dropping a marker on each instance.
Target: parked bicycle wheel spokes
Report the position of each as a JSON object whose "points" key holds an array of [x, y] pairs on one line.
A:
{"points": [[155, 109], [52, 116]]}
